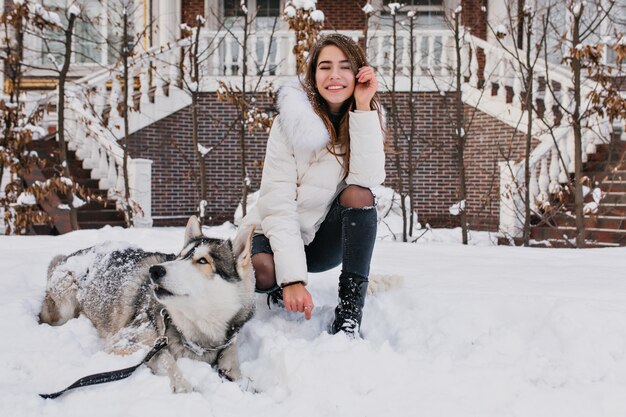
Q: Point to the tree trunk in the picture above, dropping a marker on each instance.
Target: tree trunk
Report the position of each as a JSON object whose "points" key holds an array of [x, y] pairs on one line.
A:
{"points": [[194, 116], [460, 132], [127, 79], [576, 125], [242, 116], [61, 117], [396, 120], [529, 136], [412, 113]]}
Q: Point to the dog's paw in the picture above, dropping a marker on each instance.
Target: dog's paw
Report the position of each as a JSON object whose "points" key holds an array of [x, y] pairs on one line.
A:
{"points": [[181, 386]]}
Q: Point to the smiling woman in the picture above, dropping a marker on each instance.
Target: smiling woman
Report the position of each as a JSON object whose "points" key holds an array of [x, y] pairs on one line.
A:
{"points": [[315, 209]]}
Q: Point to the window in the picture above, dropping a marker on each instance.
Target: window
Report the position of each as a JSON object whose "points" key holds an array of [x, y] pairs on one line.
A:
{"points": [[264, 14], [98, 32], [429, 13], [87, 44], [258, 8]]}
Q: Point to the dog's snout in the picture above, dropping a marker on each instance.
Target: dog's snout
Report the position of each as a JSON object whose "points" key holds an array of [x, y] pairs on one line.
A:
{"points": [[156, 272]]}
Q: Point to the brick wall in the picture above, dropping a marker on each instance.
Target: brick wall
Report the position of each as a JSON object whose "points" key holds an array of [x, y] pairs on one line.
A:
{"points": [[488, 140], [175, 195], [191, 9], [343, 15], [474, 18], [168, 144]]}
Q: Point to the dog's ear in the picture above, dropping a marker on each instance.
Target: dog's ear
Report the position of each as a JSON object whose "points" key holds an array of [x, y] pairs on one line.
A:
{"points": [[242, 245], [193, 230]]}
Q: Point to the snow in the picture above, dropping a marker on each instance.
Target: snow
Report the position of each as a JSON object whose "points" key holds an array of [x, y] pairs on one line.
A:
{"points": [[529, 7], [368, 9], [77, 202], [449, 330], [471, 330], [290, 12], [393, 7], [73, 10], [317, 16], [26, 199], [457, 208], [578, 7], [203, 149], [501, 30], [304, 4], [46, 15]]}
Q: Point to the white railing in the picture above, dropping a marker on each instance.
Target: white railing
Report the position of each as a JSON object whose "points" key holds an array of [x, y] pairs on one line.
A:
{"points": [[432, 53], [94, 122], [552, 160]]}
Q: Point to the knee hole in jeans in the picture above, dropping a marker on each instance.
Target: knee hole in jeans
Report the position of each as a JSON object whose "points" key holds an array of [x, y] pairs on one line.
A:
{"points": [[263, 264], [355, 196]]}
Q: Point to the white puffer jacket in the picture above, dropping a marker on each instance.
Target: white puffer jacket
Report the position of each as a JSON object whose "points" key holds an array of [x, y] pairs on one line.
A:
{"points": [[301, 178]]}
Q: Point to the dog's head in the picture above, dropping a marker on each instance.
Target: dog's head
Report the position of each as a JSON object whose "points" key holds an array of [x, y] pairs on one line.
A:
{"points": [[210, 278]]}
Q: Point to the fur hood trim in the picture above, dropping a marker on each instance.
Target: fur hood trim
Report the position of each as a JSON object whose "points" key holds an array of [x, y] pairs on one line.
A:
{"points": [[299, 122]]}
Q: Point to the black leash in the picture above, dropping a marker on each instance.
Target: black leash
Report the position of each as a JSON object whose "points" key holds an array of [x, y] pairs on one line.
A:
{"points": [[110, 376]]}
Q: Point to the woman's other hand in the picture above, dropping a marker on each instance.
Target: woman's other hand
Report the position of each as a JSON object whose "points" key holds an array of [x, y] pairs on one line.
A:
{"points": [[365, 88], [298, 299]]}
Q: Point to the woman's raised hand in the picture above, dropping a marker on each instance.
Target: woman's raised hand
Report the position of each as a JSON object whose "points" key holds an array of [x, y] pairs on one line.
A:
{"points": [[365, 88]]}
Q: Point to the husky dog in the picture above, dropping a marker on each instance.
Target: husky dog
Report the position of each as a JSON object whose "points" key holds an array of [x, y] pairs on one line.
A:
{"points": [[199, 299]]}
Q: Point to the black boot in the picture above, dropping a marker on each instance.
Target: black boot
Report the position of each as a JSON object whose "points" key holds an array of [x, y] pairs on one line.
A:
{"points": [[358, 235], [349, 310]]}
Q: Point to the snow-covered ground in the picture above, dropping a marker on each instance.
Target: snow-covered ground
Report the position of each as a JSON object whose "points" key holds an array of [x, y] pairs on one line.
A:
{"points": [[475, 330]]}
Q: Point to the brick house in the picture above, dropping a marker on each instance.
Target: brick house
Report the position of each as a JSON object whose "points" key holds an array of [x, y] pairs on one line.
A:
{"points": [[161, 125]]}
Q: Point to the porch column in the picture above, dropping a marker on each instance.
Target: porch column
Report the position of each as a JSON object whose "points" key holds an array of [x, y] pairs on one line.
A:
{"points": [[169, 21], [140, 184]]}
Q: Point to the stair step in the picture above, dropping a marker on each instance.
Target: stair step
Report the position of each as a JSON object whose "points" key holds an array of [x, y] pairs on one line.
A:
{"points": [[603, 176], [595, 221], [560, 243], [610, 185], [597, 235], [613, 198], [102, 215], [612, 209], [99, 225]]}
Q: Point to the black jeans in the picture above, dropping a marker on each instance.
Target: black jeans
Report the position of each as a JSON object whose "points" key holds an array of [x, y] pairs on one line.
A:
{"points": [[346, 236]]}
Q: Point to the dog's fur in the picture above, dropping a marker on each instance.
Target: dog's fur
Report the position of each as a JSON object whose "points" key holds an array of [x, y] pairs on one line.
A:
{"points": [[208, 291]]}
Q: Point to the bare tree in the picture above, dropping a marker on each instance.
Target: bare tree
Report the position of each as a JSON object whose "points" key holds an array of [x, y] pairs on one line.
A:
{"points": [[250, 116], [583, 23], [522, 21], [29, 194]]}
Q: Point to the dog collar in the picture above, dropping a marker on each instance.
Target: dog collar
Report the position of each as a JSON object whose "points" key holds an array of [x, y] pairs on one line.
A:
{"points": [[192, 346]]}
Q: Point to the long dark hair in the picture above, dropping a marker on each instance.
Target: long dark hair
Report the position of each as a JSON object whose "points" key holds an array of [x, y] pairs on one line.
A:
{"points": [[339, 141]]}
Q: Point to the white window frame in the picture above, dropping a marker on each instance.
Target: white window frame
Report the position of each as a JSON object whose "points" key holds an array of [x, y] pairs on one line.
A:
{"points": [[79, 68]]}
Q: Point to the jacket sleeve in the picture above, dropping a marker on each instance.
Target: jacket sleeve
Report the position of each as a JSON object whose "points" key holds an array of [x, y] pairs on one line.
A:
{"points": [[367, 155], [278, 208]]}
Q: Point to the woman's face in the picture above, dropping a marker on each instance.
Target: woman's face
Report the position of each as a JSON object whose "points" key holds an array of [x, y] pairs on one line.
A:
{"points": [[334, 77]]}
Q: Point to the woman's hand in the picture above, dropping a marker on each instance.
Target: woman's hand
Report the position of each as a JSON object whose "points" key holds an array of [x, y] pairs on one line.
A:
{"points": [[365, 88], [298, 299]]}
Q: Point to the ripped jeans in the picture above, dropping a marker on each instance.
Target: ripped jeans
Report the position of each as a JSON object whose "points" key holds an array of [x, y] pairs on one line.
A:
{"points": [[346, 236]]}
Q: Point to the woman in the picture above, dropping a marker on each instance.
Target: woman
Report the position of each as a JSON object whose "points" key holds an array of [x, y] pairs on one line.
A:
{"points": [[315, 208]]}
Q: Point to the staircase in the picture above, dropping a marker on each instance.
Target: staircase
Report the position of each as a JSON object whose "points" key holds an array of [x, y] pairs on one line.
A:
{"points": [[605, 217], [93, 215]]}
